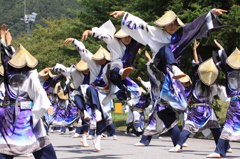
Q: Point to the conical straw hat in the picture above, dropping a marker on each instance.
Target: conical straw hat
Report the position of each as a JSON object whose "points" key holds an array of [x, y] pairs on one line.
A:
{"points": [[1, 70], [185, 79], [142, 90], [43, 73], [101, 54], [81, 66], [208, 72], [168, 18], [22, 58], [121, 34], [233, 60], [61, 95]]}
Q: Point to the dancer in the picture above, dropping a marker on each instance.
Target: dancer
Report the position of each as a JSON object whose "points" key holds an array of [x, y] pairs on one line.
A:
{"points": [[231, 128], [97, 90], [123, 50], [25, 104], [201, 115], [163, 66]]}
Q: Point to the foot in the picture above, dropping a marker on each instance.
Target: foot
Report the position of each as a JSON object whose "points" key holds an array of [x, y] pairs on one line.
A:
{"points": [[29, 155], [185, 145], [103, 135], [76, 135], [214, 155], [71, 132], [139, 129], [84, 140], [96, 143], [84, 143], [108, 98], [89, 137], [126, 133], [132, 134], [177, 148], [160, 138], [98, 115], [115, 137], [126, 72], [86, 115], [139, 144], [229, 150], [177, 73], [61, 133]]}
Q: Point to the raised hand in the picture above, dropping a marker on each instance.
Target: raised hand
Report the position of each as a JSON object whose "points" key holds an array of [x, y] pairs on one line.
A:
{"points": [[196, 44], [147, 55], [68, 40], [217, 43], [139, 79], [117, 14], [85, 34], [219, 11], [8, 37]]}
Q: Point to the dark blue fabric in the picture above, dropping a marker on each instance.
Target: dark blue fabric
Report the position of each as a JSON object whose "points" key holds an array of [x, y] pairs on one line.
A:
{"points": [[47, 152], [146, 140], [222, 147], [166, 58], [111, 130], [92, 132]]}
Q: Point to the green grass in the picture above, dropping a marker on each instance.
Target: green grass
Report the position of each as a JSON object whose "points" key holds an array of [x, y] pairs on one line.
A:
{"points": [[119, 121]]}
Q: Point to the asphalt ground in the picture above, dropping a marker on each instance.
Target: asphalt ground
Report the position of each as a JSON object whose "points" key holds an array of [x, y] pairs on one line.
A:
{"points": [[67, 147]]}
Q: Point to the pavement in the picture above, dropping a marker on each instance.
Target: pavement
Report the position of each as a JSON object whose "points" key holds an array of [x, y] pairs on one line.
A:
{"points": [[67, 147]]}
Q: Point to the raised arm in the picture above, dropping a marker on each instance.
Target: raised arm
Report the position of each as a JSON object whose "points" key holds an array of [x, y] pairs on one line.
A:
{"points": [[85, 34], [117, 14], [195, 55], [218, 44]]}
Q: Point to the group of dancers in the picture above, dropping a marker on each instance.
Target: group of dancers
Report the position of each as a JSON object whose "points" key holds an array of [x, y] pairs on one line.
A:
{"points": [[83, 93]]}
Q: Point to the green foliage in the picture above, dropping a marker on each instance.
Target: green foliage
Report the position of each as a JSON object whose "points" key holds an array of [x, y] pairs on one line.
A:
{"points": [[12, 11]]}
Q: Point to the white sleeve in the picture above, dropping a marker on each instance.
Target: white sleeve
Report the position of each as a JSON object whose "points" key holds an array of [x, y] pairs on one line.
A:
{"points": [[39, 97], [86, 55], [222, 94], [147, 85], [105, 32], [144, 33]]}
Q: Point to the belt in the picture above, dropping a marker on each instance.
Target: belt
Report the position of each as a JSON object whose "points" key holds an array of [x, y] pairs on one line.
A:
{"points": [[21, 104], [200, 104], [235, 98]]}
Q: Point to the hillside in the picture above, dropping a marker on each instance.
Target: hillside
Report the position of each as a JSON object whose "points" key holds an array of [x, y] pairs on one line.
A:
{"points": [[12, 11]]}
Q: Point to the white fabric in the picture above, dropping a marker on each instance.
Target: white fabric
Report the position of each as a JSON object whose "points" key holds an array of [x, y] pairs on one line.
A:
{"points": [[147, 85], [106, 33], [36, 92], [86, 56], [150, 35]]}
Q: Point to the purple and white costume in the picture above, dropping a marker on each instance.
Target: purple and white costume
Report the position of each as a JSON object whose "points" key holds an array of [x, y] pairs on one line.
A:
{"points": [[22, 131]]}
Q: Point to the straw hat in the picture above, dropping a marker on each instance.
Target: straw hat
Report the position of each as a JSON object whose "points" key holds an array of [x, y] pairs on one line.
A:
{"points": [[43, 73], [185, 79], [72, 86], [1, 70], [168, 18], [101, 54], [55, 90], [208, 72], [121, 34], [142, 90], [61, 94], [233, 60], [81, 66], [22, 58]]}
